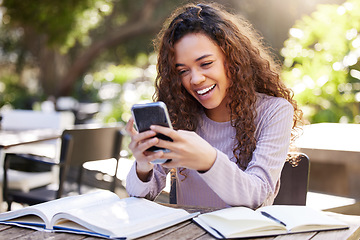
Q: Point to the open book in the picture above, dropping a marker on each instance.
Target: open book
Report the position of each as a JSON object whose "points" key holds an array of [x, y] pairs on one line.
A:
{"points": [[101, 213], [242, 222]]}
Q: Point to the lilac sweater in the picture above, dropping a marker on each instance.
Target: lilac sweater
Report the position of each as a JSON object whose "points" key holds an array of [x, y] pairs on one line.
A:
{"points": [[225, 184]]}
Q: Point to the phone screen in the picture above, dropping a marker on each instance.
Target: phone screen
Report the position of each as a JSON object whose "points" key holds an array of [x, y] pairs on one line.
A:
{"points": [[149, 114]]}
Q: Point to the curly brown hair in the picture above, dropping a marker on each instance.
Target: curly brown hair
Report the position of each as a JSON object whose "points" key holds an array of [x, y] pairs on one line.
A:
{"points": [[249, 64]]}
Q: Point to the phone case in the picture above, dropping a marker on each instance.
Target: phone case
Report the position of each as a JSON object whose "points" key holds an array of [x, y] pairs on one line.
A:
{"points": [[149, 114]]}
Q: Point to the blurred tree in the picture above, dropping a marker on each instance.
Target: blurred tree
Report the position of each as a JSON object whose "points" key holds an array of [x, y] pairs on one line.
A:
{"points": [[121, 87], [274, 18], [64, 37], [57, 43], [321, 63], [16, 93]]}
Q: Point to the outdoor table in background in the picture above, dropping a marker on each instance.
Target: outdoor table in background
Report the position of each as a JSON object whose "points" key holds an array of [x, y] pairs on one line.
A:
{"points": [[334, 153], [10, 139], [23, 141]]}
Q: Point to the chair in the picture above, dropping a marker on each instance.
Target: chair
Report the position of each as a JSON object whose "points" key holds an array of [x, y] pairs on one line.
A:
{"points": [[78, 145], [23, 120], [294, 181]]}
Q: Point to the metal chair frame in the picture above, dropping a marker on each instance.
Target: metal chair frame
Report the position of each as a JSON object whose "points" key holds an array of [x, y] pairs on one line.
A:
{"points": [[78, 145]]}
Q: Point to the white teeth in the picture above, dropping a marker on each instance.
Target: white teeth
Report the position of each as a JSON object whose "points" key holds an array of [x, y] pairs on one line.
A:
{"points": [[205, 90]]}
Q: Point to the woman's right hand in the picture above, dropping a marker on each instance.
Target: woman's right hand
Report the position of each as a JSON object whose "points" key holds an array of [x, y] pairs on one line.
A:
{"points": [[138, 145]]}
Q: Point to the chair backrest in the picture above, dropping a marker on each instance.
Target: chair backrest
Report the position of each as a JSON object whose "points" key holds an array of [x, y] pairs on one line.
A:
{"points": [[294, 180], [172, 193], [18, 119], [82, 145]]}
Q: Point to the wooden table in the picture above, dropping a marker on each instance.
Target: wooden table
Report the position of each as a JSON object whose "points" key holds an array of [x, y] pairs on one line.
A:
{"points": [[334, 152], [10, 139], [22, 142], [189, 230]]}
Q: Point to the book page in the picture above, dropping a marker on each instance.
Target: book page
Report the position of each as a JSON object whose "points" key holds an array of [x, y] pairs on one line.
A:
{"points": [[302, 218], [241, 221], [48, 209], [76, 201], [29, 216], [128, 217]]}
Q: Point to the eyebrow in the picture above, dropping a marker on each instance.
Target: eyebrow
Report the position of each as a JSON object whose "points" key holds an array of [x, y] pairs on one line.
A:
{"points": [[196, 60]]}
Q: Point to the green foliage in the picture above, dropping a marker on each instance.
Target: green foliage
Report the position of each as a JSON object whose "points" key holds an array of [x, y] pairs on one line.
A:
{"points": [[118, 74], [321, 63], [127, 11], [15, 94], [63, 21], [119, 87]]}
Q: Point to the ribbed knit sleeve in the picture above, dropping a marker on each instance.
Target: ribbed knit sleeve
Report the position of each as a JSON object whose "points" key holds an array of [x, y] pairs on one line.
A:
{"points": [[225, 184], [258, 184], [150, 189]]}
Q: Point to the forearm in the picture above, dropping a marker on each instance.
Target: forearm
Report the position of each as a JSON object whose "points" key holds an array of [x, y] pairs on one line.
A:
{"points": [[156, 181]]}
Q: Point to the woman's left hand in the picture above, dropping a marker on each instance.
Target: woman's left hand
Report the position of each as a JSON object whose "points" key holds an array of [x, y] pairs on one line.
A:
{"points": [[187, 150]]}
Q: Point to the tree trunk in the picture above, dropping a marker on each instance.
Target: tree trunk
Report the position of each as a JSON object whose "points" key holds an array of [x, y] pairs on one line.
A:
{"points": [[83, 61], [53, 67], [144, 23], [58, 73], [51, 63]]}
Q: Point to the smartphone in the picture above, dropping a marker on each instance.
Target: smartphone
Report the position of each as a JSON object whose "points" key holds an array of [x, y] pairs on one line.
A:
{"points": [[148, 114]]}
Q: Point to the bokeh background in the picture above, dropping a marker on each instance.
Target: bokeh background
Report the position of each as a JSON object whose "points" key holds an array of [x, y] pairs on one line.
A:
{"points": [[96, 57]]}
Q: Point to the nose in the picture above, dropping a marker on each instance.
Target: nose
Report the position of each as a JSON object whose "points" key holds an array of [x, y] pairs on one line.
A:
{"points": [[197, 77]]}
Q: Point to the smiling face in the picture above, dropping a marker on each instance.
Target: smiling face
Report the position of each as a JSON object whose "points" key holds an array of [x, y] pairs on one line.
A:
{"points": [[200, 64]]}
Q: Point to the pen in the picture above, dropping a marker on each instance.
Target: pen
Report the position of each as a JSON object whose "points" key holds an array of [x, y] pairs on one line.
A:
{"points": [[273, 218]]}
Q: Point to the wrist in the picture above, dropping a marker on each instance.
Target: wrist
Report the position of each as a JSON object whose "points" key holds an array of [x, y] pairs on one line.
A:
{"points": [[143, 173], [210, 162]]}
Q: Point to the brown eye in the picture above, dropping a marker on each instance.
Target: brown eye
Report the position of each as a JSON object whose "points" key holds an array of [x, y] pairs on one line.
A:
{"points": [[206, 64], [181, 72]]}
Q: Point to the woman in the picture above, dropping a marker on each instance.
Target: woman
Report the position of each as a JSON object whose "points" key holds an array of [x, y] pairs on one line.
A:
{"points": [[233, 117]]}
